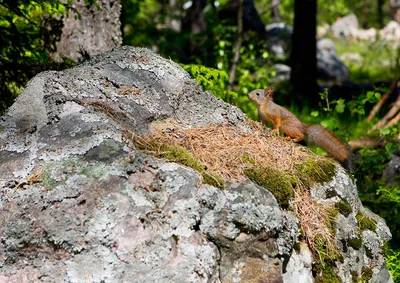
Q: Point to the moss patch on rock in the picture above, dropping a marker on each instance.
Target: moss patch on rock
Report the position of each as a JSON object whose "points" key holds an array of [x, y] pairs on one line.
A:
{"points": [[182, 156], [331, 223], [327, 255], [311, 172], [355, 243], [366, 274], [276, 181], [365, 223], [213, 180], [327, 251], [344, 207], [173, 153], [368, 252], [329, 275]]}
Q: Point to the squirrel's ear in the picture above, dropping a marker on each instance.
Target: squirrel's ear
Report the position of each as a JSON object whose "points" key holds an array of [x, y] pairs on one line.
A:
{"points": [[268, 91]]}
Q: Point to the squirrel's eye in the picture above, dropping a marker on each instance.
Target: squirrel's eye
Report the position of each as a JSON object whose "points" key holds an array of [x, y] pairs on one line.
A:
{"points": [[258, 94]]}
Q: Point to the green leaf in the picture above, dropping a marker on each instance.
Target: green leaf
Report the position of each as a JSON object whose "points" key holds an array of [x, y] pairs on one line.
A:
{"points": [[339, 108], [384, 131], [390, 147], [315, 113], [370, 94]]}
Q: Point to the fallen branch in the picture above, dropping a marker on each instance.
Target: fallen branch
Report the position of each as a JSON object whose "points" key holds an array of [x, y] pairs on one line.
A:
{"points": [[383, 99], [392, 113]]}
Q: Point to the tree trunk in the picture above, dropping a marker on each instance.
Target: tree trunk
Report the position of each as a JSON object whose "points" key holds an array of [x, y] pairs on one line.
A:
{"points": [[198, 23], [364, 17], [304, 50], [238, 45], [394, 10], [92, 32], [251, 18], [196, 26], [275, 14], [380, 13]]}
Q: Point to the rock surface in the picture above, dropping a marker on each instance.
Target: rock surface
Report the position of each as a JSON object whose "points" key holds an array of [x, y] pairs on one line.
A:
{"points": [[78, 205], [345, 27], [330, 66]]}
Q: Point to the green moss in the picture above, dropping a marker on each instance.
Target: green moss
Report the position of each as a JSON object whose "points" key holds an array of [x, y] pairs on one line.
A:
{"points": [[344, 207], [355, 243], [354, 276], [248, 158], [330, 275], [365, 223], [366, 274], [317, 267], [344, 245], [173, 153], [368, 252], [315, 171], [326, 254], [213, 180], [276, 181], [182, 156], [330, 193], [297, 247], [325, 273], [331, 224]]}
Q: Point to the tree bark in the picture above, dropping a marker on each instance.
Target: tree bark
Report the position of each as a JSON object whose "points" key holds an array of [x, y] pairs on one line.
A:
{"points": [[275, 14], [195, 25], [238, 44], [92, 32], [304, 50], [394, 10], [251, 18], [380, 13], [365, 10]]}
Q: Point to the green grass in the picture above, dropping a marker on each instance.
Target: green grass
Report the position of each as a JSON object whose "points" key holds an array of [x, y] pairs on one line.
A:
{"points": [[380, 61]]}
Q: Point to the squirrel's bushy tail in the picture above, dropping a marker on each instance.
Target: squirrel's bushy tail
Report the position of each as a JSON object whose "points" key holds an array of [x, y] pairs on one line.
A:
{"points": [[330, 143]]}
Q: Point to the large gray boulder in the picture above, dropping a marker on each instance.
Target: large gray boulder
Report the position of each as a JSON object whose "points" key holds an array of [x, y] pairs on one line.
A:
{"points": [[345, 27], [78, 205], [279, 39], [330, 66]]}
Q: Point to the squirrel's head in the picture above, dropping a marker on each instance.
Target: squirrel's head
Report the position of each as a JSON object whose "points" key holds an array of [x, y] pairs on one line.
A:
{"points": [[259, 96]]}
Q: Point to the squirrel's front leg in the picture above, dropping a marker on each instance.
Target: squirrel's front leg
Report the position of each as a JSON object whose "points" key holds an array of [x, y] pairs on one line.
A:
{"points": [[277, 125], [275, 131], [293, 139]]}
